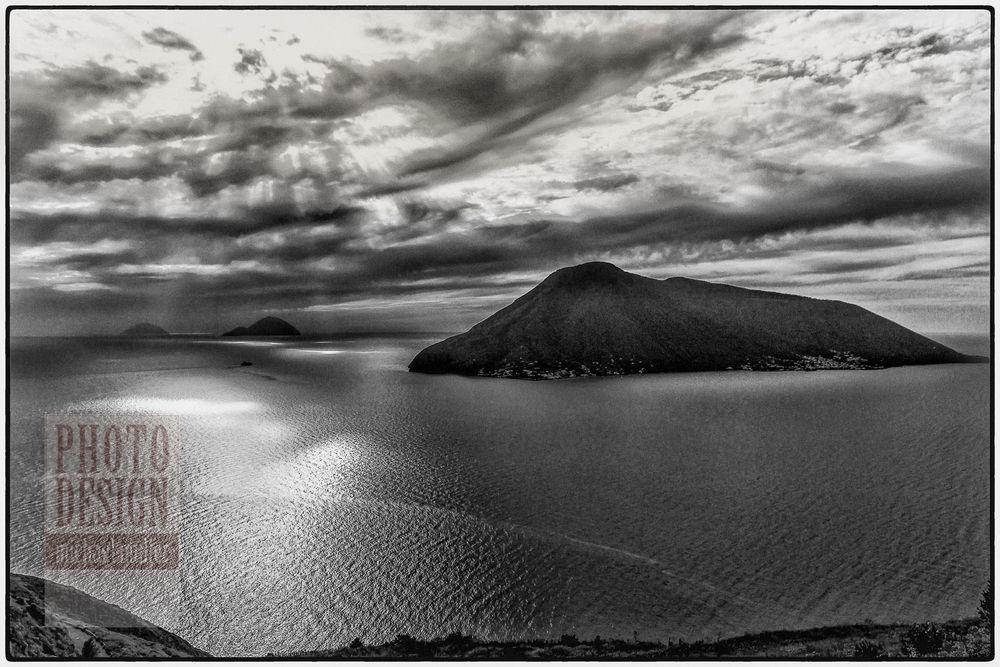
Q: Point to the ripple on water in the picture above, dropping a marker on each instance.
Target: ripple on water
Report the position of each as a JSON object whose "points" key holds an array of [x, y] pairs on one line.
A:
{"points": [[330, 495]]}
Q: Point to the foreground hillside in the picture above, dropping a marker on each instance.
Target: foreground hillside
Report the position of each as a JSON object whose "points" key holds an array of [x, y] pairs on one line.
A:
{"points": [[78, 625], [48, 620], [968, 638], [595, 319]]}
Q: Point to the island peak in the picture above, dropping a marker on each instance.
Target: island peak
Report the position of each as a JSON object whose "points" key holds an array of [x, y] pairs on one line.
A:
{"points": [[266, 326], [590, 274], [589, 270]]}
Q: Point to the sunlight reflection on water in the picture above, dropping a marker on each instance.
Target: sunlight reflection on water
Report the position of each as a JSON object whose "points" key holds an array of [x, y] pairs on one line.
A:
{"points": [[368, 501], [171, 406], [244, 343]]}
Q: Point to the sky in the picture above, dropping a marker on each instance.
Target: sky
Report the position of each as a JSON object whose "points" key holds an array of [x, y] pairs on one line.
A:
{"points": [[418, 170]]}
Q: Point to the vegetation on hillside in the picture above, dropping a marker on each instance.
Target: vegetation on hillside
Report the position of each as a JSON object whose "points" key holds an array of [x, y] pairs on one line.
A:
{"points": [[969, 638]]}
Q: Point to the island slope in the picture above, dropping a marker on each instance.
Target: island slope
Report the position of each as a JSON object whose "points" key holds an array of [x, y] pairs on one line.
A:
{"points": [[266, 326], [595, 319]]}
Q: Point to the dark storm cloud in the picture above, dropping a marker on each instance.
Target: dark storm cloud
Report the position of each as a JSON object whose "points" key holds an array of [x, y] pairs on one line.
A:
{"points": [[840, 108], [434, 250], [251, 61], [161, 128], [146, 168], [514, 75], [168, 233], [391, 35], [483, 99], [977, 270], [69, 304], [343, 235], [395, 187], [279, 255], [812, 243], [849, 197], [508, 110], [842, 198], [99, 134], [95, 81], [235, 154], [40, 102], [237, 168], [606, 183], [296, 292], [495, 91], [85, 260], [33, 126], [777, 168], [289, 98], [852, 266], [498, 248], [171, 40]]}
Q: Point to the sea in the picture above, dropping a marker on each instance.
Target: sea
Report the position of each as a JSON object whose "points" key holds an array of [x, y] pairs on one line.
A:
{"points": [[329, 494]]}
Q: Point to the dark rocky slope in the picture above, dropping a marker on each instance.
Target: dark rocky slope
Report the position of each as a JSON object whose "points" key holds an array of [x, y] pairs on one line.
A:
{"points": [[595, 319], [960, 639], [48, 620], [266, 326], [145, 329]]}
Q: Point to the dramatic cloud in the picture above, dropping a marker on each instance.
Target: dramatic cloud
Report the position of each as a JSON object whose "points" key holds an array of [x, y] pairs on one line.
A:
{"points": [[171, 40], [394, 35], [427, 167], [39, 101], [88, 82], [33, 126], [251, 61], [605, 183]]}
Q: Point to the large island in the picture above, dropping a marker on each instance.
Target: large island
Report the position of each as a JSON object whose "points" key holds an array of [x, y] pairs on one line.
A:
{"points": [[596, 319]]}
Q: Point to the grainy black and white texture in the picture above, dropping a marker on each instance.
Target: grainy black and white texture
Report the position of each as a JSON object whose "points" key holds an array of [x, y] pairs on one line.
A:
{"points": [[419, 170]]}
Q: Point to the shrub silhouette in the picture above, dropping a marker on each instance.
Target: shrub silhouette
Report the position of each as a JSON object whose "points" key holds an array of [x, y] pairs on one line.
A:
{"points": [[91, 649], [458, 639], [404, 643], [569, 640], [922, 639], [986, 603], [869, 650]]}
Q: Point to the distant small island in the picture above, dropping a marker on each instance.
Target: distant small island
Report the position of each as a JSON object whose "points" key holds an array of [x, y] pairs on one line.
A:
{"points": [[266, 326], [596, 319], [145, 329]]}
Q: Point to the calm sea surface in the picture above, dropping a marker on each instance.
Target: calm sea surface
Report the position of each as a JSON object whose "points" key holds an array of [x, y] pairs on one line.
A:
{"points": [[329, 494]]}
